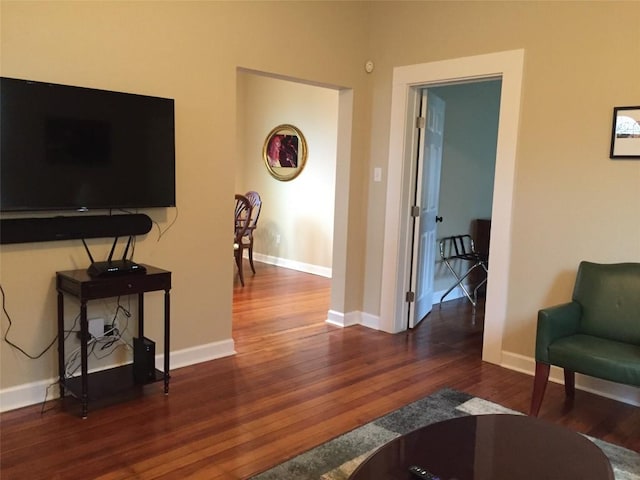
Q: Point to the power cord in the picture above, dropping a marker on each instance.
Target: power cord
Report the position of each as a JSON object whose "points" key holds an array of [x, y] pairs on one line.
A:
{"points": [[116, 335], [46, 394], [112, 336], [13, 345], [160, 231], [72, 358]]}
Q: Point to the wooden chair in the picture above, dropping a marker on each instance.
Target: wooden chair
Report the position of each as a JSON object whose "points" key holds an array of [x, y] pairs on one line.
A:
{"points": [[256, 205], [242, 218]]}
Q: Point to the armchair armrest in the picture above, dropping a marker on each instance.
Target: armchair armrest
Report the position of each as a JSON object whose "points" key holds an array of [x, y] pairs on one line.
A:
{"points": [[554, 323]]}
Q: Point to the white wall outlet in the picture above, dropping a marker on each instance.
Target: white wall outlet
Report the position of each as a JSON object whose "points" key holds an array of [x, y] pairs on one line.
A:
{"points": [[377, 174], [278, 239], [96, 327]]}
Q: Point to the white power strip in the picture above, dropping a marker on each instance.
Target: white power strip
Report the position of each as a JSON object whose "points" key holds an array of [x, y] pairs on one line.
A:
{"points": [[96, 328]]}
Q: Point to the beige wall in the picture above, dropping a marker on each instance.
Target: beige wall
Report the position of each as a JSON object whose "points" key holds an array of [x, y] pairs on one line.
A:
{"points": [[189, 51], [571, 201], [296, 220]]}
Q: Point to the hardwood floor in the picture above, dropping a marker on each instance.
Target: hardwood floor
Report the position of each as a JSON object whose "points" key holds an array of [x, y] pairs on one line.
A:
{"points": [[295, 382]]}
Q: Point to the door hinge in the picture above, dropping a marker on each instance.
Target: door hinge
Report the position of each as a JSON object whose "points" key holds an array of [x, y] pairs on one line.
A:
{"points": [[411, 296], [415, 211], [420, 122]]}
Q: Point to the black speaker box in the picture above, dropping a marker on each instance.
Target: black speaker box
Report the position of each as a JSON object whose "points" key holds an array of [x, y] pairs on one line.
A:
{"points": [[25, 230], [144, 353]]}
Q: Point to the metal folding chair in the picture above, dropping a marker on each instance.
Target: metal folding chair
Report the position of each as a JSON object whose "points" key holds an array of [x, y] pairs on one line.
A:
{"points": [[462, 247]]}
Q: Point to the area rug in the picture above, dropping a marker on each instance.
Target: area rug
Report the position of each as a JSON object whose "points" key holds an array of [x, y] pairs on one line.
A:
{"points": [[337, 458]]}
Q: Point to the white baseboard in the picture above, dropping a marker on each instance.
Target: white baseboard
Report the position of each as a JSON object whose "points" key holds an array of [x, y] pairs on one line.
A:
{"points": [[34, 392], [616, 391], [199, 354], [335, 318], [340, 319], [28, 394], [373, 321], [293, 265], [370, 321]]}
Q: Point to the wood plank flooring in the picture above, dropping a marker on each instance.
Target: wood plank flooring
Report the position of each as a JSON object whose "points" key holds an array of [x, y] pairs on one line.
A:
{"points": [[295, 382]]}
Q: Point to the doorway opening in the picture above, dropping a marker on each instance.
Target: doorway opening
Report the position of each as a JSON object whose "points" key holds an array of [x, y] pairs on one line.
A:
{"points": [[454, 185], [397, 247], [299, 227]]}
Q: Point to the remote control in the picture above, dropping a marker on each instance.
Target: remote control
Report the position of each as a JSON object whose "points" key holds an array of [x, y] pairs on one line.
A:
{"points": [[422, 473]]}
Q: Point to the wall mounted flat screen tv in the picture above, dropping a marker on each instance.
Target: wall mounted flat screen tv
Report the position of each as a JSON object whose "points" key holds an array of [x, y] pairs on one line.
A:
{"points": [[74, 148]]}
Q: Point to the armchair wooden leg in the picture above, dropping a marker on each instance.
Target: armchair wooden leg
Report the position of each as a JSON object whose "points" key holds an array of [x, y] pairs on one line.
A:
{"points": [[539, 387], [569, 383]]}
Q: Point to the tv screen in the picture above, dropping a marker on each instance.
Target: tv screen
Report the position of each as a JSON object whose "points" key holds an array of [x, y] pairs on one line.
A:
{"points": [[74, 148]]}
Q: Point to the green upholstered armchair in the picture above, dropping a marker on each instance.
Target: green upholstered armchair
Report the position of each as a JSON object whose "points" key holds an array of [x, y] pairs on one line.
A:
{"points": [[596, 334]]}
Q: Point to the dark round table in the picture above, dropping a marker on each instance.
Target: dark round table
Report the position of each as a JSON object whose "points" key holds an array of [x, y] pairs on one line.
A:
{"points": [[489, 447]]}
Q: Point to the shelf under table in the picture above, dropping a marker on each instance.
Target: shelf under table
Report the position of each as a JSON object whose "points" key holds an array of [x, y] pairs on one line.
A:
{"points": [[112, 382]]}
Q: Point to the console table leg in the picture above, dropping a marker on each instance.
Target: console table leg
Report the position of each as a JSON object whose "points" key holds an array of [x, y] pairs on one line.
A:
{"points": [[167, 302], [84, 340], [61, 372], [141, 315]]}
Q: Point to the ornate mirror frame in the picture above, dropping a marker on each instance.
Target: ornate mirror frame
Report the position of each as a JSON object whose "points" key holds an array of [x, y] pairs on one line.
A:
{"points": [[285, 152]]}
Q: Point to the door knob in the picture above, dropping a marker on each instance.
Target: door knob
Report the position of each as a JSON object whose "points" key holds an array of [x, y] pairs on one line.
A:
{"points": [[438, 219]]}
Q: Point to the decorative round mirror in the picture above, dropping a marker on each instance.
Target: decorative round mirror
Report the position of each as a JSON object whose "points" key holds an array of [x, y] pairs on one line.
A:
{"points": [[285, 152]]}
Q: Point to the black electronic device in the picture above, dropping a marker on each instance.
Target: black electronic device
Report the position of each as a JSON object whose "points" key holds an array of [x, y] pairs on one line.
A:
{"points": [[113, 267], [421, 473], [144, 353], [74, 148], [46, 229]]}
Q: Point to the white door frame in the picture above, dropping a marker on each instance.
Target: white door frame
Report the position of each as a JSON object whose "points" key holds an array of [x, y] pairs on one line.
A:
{"points": [[407, 81]]}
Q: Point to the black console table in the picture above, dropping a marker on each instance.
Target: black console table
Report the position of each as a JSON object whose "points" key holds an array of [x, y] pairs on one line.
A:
{"points": [[80, 285]]}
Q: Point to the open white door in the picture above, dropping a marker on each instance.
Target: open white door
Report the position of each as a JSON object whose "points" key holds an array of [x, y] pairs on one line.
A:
{"points": [[432, 109]]}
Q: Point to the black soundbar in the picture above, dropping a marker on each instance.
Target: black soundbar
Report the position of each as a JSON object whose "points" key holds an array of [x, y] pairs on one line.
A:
{"points": [[25, 230]]}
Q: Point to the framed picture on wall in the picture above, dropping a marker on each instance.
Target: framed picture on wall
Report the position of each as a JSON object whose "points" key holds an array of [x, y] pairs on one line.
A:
{"points": [[285, 152], [625, 133]]}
